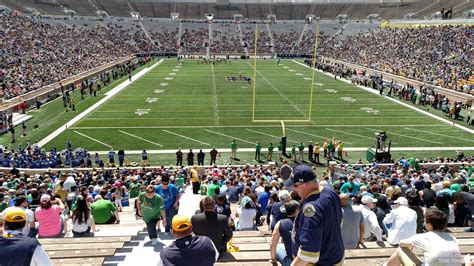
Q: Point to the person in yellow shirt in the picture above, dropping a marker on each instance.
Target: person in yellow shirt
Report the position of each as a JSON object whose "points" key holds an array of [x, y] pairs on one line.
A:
{"points": [[195, 179], [340, 147], [316, 151], [325, 148]]}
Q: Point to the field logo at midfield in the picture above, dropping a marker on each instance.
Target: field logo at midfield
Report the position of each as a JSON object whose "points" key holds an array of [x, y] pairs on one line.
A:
{"points": [[318, 84], [169, 78], [164, 84], [141, 112], [369, 110], [331, 90], [151, 100], [348, 99], [159, 91]]}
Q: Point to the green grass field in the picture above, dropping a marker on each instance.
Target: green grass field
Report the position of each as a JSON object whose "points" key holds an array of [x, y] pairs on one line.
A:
{"points": [[192, 105]]}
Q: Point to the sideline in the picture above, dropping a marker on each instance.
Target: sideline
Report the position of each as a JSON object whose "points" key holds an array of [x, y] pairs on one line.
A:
{"points": [[394, 100], [111, 93]]}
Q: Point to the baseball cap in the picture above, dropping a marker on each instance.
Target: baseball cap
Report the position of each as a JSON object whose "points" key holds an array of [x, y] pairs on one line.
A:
{"points": [[402, 201], [368, 199], [15, 215], [45, 197], [301, 173], [181, 223], [117, 184]]}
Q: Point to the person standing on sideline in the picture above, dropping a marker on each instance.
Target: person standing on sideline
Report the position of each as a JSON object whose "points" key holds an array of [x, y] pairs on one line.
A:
{"points": [[23, 126], [325, 148], [200, 157], [283, 230], [280, 151], [170, 195], [300, 152], [258, 149], [112, 156], [214, 154], [179, 157], [317, 227], [150, 206], [340, 148], [144, 158], [190, 158], [316, 151], [270, 152], [352, 224], [293, 153], [12, 130], [402, 220], [121, 157], [195, 181], [188, 248], [233, 148], [310, 152]]}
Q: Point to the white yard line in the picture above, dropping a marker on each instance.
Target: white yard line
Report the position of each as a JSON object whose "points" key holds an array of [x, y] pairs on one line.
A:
{"points": [[270, 135], [405, 136], [246, 150], [442, 135], [311, 134], [91, 138], [446, 121], [228, 136], [253, 126], [179, 135], [108, 95], [214, 96], [279, 92], [140, 138]]}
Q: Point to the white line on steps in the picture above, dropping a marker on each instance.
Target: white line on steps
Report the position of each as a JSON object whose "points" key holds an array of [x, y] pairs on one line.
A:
{"points": [[228, 136], [247, 150], [108, 95], [140, 138], [91, 138], [270, 135], [410, 137], [397, 101], [179, 135]]}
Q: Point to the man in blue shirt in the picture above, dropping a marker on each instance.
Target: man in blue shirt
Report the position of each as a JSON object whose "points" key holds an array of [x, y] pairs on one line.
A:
{"points": [[316, 234], [171, 196], [263, 199], [112, 156]]}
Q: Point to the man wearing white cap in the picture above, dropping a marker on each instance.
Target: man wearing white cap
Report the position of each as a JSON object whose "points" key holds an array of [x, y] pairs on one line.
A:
{"points": [[400, 222], [371, 225]]}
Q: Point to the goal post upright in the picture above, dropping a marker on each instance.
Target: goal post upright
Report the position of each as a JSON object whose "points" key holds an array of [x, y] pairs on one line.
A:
{"points": [[254, 72], [313, 66]]}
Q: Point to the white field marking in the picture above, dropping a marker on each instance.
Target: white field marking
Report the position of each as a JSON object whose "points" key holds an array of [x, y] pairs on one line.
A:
{"points": [[178, 66], [141, 112], [253, 126], [214, 96], [270, 135], [446, 121], [151, 100], [108, 95], [292, 70], [331, 90], [348, 99], [370, 110], [164, 84], [91, 138], [169, 78], [299, 74], [157, 91], [140, 138], [285, 67], [353, 134], [442, 135], [405, 136], [318, 84], [307, 78], [175, 70], [352, 149], [172, 74], [228, 136], [279, 92], [179, 135], [313, 135], [288, 119]]}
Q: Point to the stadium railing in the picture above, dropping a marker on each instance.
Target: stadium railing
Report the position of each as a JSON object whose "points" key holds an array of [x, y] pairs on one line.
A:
{"points": [[56, 87]]}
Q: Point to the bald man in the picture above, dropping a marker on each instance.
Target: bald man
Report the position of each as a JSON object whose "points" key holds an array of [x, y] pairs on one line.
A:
{"points": [[352, 228]]}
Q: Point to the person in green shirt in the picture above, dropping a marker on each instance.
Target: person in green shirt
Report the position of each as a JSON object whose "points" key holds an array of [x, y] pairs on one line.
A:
{"points": [[233, 148], [280, 151], [258, 148], [3, 204], [270, 152], [104, 212], [134, 188], [152, 209], [180, 181], [211, 190], [300, 151], [456, 186], [331, 150], [203, 188]]}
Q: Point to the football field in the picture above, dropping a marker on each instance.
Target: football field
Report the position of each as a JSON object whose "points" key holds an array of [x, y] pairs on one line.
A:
{"points": [[194, 105]]}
